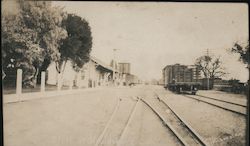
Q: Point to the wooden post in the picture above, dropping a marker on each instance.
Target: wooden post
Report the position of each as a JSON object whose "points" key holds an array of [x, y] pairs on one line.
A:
{"points": [[19, 82], [78, 80], [43, 81], [71, 84], [59, 81]]}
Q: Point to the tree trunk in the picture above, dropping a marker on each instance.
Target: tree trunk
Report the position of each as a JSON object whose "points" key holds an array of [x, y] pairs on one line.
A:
{"points": [[34, 79], [30, 77], [62, 70], [64, 65], [44, 67], [212, 82]]}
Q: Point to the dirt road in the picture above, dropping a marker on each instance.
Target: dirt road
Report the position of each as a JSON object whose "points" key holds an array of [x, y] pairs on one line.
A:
{"points": [[79, 119]]}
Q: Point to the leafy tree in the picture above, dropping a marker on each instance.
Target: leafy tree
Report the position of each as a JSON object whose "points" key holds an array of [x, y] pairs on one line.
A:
{"points": [[211, 67], [243, 52], [31, 37], [77, 46]]}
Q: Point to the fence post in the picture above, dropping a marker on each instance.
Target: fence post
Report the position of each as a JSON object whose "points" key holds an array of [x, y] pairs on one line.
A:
{"points": [[71, 84], [59, 81], [43, 81], [19, 82], [78, 82]]}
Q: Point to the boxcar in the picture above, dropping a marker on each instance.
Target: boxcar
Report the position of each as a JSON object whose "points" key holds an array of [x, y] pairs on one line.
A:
{"points": [[181, 78]]}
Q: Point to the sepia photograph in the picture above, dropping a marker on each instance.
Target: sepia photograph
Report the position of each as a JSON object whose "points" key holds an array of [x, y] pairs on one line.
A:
{"points": [[82, 73]]}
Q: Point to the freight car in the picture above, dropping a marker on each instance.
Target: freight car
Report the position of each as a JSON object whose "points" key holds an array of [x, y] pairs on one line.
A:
{"points": [[181, 78]]}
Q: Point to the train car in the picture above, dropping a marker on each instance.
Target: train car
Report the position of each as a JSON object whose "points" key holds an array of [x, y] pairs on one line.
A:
{"points": [[181, 78]]}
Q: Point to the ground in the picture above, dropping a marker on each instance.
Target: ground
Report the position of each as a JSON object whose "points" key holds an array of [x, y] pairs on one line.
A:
{"points": [[80, 118]]}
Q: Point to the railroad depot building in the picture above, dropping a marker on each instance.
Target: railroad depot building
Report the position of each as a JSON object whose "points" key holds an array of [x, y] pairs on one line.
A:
{"points": [[127, 77], [94, 73]]}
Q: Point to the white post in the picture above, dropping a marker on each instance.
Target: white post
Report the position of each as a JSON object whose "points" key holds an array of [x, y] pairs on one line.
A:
{"points": [[71, 84], [59, 81], [89, 73], [78, 81], [19, 82], [43, 81]]}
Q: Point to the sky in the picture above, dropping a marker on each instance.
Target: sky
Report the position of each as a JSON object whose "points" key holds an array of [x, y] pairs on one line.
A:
{"points": [[151, 35]]}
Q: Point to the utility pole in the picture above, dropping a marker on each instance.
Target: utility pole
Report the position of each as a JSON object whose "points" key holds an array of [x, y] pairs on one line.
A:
{"points": [[207, 71], [114, 58]]}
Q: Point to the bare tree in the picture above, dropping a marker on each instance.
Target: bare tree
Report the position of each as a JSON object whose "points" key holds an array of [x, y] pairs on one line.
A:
{"points": [[210, 66]]}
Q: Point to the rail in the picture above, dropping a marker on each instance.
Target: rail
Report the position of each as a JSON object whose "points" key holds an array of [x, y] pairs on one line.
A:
{"points": [[99, 139], [196, 134], [228, 109], [165, 123], [125, 129], [128, 122], [221, 100]]}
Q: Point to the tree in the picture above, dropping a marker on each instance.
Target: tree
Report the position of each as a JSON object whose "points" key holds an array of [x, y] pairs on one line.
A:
{"points": [[211, 67], [77, 45], [243, 52], [244, 57], [30, 38]]}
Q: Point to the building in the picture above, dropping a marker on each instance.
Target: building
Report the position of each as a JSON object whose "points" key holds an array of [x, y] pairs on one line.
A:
{"points": [[127, 77], [124, 68], [92, 74], [118, 76]]}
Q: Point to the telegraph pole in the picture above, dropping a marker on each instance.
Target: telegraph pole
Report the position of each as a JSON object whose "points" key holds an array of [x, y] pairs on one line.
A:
{"points": [[207, 72], [114, 58]]}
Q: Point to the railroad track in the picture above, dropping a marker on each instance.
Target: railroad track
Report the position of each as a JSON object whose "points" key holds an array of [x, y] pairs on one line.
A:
{"points": [[226, 105], [125, 129], [184, 132], [221, 100]]}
